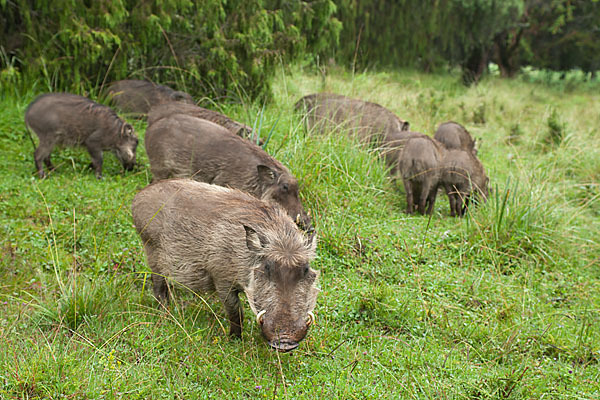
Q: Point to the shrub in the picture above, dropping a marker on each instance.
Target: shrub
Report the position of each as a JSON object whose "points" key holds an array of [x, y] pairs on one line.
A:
{"points": [[216, 47]]}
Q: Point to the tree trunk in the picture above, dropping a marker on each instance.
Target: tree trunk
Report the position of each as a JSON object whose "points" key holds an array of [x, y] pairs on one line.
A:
{"points": [[504, 52], [474, 66]]}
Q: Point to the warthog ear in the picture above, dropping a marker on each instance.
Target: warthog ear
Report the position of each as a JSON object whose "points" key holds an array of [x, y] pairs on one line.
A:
{"points": [[177, 96], [127, 129], [253, 240], [266, 175], [243, 132]]}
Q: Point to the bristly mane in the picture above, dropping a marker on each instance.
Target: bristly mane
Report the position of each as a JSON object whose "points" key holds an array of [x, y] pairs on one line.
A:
{"points": [[287, 247], [92, 107]]}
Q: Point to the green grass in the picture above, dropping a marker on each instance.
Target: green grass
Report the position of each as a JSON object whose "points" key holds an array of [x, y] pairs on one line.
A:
{"points": [[503, 303]]}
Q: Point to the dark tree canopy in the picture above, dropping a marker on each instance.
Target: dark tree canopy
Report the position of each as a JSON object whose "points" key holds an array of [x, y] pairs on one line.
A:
{"points": [[214, 47], [231, 48]]}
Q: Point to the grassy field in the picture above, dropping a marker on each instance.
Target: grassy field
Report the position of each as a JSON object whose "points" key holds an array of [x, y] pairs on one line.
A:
{"points": [[503, 303]]}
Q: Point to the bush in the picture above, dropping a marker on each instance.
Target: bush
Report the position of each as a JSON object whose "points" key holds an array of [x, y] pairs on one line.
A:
{"points": [[218, 48]]}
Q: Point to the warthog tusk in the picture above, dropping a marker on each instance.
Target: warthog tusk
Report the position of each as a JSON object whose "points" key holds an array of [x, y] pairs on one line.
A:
{"points": [[297, 218], [259, 316], [311, 318]]}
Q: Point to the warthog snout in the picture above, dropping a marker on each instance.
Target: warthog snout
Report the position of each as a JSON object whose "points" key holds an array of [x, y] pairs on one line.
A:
{"points": [[284, 337]]}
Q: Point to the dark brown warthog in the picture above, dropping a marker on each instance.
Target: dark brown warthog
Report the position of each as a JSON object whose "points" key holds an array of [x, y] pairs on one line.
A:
{"points": [[367, 121], [137, 97], [420, 167], [65, 119], [209, 238], [455, 136], [181, 146], [165, 110], [463, 178]]}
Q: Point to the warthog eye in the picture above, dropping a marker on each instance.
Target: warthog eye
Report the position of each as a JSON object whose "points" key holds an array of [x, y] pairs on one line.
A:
{"points": [[305, 271], [268, 270], [285, 187]]}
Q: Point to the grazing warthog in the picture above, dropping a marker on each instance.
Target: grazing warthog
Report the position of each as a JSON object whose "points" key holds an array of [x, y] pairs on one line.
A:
{"points": [[182, 146], [455, 136], [65, 119], [137, 97], [209, 238], [165, 110], [420, 165], [369, 122], [463, 178]]}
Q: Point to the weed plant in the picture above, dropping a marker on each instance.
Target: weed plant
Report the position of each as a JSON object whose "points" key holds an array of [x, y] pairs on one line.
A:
{"points": [[503, 303]]}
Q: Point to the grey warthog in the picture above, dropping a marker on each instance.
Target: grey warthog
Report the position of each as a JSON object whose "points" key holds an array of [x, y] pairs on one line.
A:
{"points": [[463, 178], [369, 122], [63, 119], [209, 238], [455, 136], [420, 165], [137, 97], [167, 109], [182, 146]]}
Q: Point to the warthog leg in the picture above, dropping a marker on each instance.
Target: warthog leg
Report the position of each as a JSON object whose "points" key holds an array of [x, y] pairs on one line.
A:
{"points": [[229, 298]]}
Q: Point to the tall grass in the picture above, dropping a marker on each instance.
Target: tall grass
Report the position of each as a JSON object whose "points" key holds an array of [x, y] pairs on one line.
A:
{"points": [[502, 303]]}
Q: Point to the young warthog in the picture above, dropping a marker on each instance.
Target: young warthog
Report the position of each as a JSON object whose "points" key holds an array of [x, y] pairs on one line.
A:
{"points": [[369, 122], [209, 238], [420, 166], [65, 119], [182, 146], [165, 110], [463, 177], [455, 136], [137, 97]]}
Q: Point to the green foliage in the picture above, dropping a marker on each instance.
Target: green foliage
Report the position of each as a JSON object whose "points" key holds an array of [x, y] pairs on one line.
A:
{"points": [[556, 34], [563, 35], [515, 225], [499, 304], [556, 128], [78, 303], [417, 33], [217, 48]]}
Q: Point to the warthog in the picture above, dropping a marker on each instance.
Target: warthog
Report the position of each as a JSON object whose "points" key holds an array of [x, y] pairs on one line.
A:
{"points": [[209, 238], [369, 122], [137, 97], [182, 146], [463, 178], [65, 119], [167, 109], [455, 136], [420, 165]]}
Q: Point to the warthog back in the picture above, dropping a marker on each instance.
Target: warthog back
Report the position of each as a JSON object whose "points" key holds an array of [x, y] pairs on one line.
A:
{"points": [[182, 146], [392, 146], [209, 238], [137, 96], [167, 109], [420, 166], [369, 122], [455, 136], [63, 119]]}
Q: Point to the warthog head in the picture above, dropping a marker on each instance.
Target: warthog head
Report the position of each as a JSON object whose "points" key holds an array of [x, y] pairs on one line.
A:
{"points": [[283, 287], [126, 147]]}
